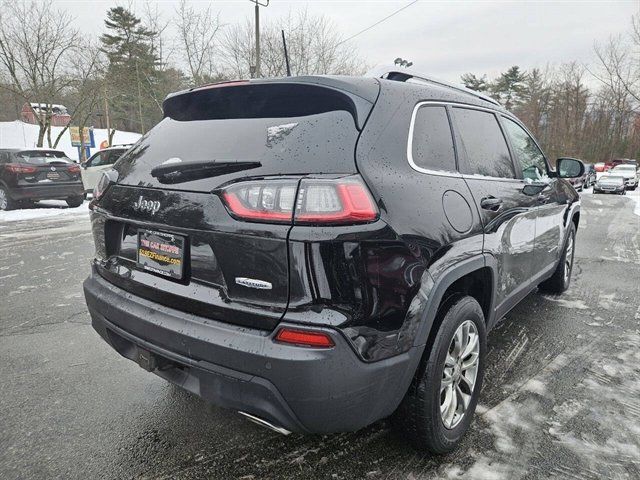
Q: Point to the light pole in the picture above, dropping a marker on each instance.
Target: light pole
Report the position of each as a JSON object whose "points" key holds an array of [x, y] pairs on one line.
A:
{"points": [[259, 4]]}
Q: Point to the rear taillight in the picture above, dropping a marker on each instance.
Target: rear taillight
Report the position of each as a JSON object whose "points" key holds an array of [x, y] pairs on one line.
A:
{"points": [[73, 169], [109, 177], [262, 201], [314, 201], [304, 338], [20, 168]]}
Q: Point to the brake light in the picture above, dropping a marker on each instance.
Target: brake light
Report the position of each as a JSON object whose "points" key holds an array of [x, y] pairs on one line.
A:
{"points": [[304, 338], [73, 169], [106, 180], [334, 201], [317, 201], [20, 168]]}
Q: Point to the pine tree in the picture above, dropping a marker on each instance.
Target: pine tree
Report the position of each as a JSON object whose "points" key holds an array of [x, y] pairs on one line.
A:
{"points": [[508, 87], [132, 74], [471, 81]]}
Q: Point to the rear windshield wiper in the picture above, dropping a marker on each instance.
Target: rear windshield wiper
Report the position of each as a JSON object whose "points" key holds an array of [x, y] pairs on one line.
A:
{"points": [[180, 172]]}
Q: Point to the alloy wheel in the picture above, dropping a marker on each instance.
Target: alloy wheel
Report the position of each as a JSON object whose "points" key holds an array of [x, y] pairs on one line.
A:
{"points": [[3, 199], [568, 259], [459, 374]]}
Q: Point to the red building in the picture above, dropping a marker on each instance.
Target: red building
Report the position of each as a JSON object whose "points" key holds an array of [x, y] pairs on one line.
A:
{"points": [[60, 117]]}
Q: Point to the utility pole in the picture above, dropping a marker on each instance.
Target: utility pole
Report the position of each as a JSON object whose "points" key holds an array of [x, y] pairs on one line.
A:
{"points": [[106, 114], [257, 22]]}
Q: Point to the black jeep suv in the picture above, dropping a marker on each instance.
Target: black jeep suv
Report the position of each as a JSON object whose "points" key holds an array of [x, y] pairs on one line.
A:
{"points": [[321, 252]]}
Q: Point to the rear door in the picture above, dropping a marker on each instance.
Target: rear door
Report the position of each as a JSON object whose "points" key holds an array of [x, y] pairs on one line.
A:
{"points": [[507, 213], [173, 182]]}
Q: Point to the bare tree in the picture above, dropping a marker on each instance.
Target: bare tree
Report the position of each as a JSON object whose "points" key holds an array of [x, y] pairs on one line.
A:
{"points": [[85, 91], [619, 62], [37, 44], [315, 48], [197, 32]]}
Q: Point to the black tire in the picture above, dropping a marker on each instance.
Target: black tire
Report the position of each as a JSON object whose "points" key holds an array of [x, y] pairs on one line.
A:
{"points": [[418, 417], [560, 281], [75, 201], [6, 202]]}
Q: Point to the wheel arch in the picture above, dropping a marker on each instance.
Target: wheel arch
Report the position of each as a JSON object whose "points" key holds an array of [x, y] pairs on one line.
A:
{"points": [[474, 277]]}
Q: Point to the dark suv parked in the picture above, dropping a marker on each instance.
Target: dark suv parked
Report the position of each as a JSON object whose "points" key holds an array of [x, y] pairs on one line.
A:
{"points": [[321, 252], [29, 175]]}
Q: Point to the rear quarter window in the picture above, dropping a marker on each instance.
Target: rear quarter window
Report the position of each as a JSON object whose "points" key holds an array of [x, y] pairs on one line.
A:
{"points": [[432, 142], [484, 147]]}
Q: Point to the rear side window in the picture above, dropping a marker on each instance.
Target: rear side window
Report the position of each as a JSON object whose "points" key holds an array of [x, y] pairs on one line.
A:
{"points": [[484, 147], [41, 157], [432, 143]]}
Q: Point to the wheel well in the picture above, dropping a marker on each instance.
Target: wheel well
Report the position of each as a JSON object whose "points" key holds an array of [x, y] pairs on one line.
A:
{"points": [[477, 284]]}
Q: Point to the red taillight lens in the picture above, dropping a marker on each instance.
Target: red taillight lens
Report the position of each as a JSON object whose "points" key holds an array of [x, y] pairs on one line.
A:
{"points": [[304, 338], [268, 201], [340, 201], [73, 169], [20, 168], [318, 201]]}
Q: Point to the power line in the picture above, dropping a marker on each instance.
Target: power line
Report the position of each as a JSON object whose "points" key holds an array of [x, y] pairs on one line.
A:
{"points": [[378, 22]]}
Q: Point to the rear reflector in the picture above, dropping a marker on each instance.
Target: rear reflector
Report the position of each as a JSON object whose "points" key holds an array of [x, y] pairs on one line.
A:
{"points": [[20, 168], [304, 338], [318, 201]]}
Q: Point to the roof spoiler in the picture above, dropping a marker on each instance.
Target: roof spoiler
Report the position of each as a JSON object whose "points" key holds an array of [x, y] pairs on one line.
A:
{"points": [[392, 72]]}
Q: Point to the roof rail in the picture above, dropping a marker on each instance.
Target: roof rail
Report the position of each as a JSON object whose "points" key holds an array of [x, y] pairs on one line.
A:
{"points": [[402, 75]]}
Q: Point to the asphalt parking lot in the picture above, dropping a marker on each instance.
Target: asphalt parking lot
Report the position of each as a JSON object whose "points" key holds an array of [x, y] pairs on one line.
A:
{"points": [[561, 396]]}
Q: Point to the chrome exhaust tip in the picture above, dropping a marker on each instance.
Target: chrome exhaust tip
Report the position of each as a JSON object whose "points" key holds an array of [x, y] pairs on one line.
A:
{"points": [[264, 423]]}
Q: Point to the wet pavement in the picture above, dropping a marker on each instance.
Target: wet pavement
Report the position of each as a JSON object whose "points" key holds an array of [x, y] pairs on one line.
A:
{"points": [[561, 396]]}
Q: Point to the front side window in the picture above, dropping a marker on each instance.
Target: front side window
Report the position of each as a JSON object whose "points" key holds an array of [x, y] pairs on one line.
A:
{"points": [[432, 143], [484, 146], [534, 166]]}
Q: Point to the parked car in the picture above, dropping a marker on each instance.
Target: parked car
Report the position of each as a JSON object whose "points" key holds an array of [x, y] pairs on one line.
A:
{"points": [[29, 175], [100, 161], [610, 184], [322, 252], [579, 183], [590, 175], [629, 173], [614, 163], [600, 167]]}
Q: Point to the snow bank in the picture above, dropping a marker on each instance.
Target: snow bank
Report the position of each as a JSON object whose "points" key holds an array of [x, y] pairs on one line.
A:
{"points": [[44, 209], [18, 134]]}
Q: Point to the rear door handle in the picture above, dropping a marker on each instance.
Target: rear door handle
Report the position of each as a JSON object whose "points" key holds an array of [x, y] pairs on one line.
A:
{"points": [[491, 203]]}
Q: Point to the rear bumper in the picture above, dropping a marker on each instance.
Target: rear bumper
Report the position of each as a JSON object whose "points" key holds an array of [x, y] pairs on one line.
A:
{"points": [[609, 190], [47, 191], [300, 389]]}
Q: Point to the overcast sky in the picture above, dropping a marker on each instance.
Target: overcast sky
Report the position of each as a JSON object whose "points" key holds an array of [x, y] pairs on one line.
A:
{"points": [[444, 39]]}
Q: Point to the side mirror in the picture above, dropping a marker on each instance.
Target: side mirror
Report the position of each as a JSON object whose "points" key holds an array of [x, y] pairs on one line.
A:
{"points": [[570, 168]]}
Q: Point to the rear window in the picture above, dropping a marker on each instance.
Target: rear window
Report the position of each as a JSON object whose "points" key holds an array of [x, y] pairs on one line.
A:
{"points": [[41, 157], [612, 180], [484, 146], [432, 143], [272, 130]]}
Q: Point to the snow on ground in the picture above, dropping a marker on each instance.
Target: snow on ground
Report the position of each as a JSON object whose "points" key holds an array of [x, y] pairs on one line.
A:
{"points": [[44, 209], [18, 134]]}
